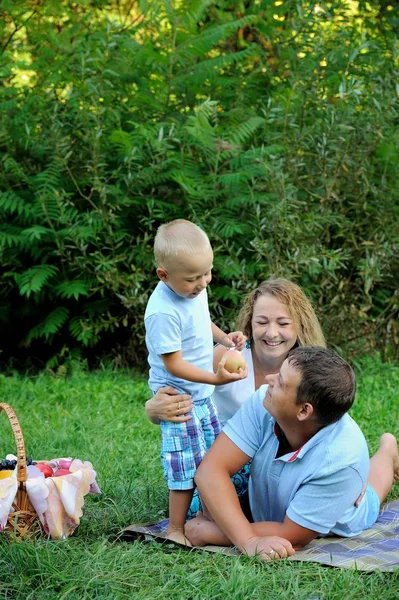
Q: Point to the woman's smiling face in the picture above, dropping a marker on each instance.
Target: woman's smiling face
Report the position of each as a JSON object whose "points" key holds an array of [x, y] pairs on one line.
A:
{"points": [[273, 329]]}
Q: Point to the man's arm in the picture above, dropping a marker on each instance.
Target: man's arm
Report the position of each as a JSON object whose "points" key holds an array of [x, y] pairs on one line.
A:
{"points": [[213, 482], [202, 531], [297, 535], [178, 367]]}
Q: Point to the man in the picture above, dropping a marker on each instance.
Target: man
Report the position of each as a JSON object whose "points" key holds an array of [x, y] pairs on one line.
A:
{"points": [[311, 473]]}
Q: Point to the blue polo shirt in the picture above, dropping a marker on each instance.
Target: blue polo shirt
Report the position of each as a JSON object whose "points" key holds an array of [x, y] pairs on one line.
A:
{"points": [[174, 324], [316, 486]]}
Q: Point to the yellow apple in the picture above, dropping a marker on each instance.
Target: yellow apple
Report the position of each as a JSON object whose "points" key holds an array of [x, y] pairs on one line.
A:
{"points": [[234, 361]]}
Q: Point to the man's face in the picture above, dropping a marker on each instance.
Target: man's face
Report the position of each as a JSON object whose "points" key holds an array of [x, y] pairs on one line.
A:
{"points": [[189, 274], [280, 398]]}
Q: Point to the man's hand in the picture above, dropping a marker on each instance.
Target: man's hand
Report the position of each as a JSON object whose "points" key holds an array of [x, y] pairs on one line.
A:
{"points": [[268, 548]]}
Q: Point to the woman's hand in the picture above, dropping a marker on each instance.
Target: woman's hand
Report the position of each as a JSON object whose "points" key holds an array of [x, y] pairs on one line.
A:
{"points": [[270, 547], [169, 405]]}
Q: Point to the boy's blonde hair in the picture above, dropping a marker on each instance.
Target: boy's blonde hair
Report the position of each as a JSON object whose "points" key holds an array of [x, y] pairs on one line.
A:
{"points": [[298, 305], [176, 237]]}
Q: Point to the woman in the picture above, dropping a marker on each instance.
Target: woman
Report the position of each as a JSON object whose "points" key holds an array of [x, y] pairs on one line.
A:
{"points": [[275, 317]]}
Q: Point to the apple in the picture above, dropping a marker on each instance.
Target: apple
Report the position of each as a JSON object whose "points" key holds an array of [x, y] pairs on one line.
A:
{"points": [[61, 472], [45, 469], [65, 463], [234, 361]]}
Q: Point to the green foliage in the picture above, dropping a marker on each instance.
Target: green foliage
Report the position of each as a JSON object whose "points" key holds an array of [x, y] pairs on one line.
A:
{"points": [[272, 126]]}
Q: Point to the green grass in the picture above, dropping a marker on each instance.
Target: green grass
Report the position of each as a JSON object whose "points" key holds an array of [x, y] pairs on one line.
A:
{"points": [[100, 417]]}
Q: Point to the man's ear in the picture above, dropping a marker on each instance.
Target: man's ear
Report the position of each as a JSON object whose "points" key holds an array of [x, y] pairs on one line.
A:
{"points": [[162, 274], [305, 411]]}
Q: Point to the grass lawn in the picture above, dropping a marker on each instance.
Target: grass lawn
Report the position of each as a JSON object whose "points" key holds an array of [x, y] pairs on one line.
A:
{"points": [[100, 417]]}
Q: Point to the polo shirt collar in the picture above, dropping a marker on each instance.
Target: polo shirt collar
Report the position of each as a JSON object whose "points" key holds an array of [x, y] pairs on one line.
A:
{"points": [[300, 452]]}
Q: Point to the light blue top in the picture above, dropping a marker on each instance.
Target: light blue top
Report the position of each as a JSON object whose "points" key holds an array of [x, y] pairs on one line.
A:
{"points": [[174, 323], [316, 486]]}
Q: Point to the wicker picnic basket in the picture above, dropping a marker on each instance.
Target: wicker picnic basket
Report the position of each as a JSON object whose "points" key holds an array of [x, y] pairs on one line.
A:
{"points": [[23, 521]]}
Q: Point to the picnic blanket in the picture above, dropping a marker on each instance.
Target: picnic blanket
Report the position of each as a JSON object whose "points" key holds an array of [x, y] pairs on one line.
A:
{"points": [[376, 548]]}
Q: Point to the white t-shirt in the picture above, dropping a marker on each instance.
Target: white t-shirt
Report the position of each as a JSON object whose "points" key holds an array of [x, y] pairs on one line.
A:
{"points": [[176, 324], [231, 396]]}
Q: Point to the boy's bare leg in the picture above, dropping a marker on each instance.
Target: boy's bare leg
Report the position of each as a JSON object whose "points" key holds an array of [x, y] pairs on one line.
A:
{"points": [[179, 503], [384, 466]]}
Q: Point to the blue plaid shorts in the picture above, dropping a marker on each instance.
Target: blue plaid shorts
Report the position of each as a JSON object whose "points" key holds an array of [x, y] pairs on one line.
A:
{"points": [[184, 445]]}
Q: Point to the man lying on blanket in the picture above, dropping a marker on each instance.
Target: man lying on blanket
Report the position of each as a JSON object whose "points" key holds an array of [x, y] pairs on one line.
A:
{"points": [[311, 473]]}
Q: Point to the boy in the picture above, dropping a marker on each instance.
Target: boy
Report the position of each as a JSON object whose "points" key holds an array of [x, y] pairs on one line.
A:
{"points": [[179, 338]]}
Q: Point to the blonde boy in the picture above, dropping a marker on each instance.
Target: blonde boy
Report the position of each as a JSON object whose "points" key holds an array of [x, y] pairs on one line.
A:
{"points": [[179, 338]]}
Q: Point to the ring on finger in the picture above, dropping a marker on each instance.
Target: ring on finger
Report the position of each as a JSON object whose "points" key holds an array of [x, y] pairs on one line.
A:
{"points": [[178, 407], [272, 554]]}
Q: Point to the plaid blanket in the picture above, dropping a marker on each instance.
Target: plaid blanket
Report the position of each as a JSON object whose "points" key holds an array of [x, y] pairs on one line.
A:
{"points": [[376, 548]]}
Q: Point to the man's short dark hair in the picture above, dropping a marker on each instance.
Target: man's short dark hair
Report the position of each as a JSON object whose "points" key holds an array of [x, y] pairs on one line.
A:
{"points": [[327, 382]]}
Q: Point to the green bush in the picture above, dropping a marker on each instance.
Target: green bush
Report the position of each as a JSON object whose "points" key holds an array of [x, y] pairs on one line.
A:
{"points": [[272, 125]]}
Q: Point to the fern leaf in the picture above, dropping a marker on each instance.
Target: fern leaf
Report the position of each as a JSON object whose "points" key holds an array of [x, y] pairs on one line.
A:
{"points": [[35, 278], [245, 130], [36, 232], [207, 40], [11, 203], [72, 289], [11, 237], [211, 68], [233, 180], [83, 331], [122, 142], [11, 166], [49, 326], [191, 13], [50, 177], [49, 204]]}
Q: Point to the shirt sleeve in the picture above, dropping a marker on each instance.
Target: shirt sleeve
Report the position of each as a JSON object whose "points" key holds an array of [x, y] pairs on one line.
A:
{"points": [[163, 333], [321, 503], [245, 427]]}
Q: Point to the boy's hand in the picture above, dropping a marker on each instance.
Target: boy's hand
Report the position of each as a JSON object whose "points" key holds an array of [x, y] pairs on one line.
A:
{"points": [[223, 376], [237, 340]]}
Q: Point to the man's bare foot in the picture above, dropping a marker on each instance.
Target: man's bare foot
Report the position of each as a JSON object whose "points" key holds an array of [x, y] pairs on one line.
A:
{"points": [[178, 537], [388, 442]]}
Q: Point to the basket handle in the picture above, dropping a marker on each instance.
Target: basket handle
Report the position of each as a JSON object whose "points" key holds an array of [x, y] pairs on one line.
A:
{"points": [[19, 440]]}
